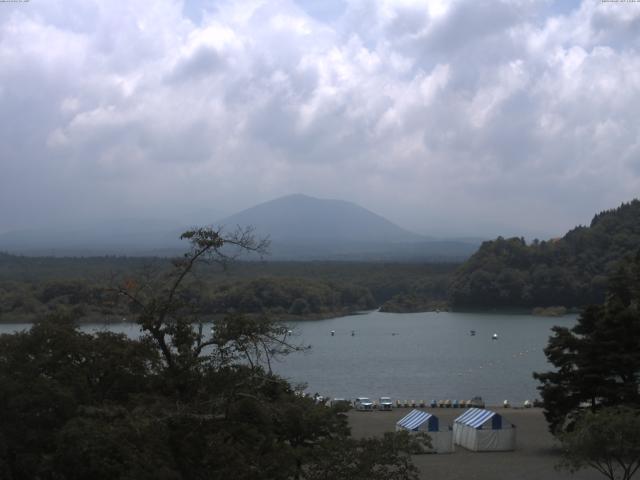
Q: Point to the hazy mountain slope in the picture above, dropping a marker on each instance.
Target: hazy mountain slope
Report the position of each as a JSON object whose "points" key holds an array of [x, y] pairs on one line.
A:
{"points": [[300, 218], [300, 228], [306, 228], [130, 237]]}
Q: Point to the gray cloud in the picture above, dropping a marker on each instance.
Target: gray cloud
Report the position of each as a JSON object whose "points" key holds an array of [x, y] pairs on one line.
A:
{"points": [[448, 117]]}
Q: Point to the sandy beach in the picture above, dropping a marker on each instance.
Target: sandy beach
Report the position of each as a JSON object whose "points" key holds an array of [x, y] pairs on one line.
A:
{"points": [[535, 455]]}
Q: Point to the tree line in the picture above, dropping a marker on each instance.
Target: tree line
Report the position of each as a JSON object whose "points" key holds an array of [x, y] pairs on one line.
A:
{"points": [[31, 288], [571, 271]]}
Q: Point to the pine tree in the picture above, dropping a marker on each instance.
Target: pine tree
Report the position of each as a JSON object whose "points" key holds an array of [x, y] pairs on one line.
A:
{"points": [[598, 360]]}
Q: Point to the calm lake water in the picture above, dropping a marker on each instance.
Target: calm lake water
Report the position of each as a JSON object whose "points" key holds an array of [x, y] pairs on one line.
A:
{"points": [[419, 356], [431, 356]]}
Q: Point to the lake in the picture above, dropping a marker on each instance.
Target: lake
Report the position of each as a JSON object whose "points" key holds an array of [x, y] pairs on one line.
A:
{"points": [[417, 356], [431, 356]]}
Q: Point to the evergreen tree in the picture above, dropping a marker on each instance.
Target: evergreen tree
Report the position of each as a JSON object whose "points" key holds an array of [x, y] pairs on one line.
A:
{"points": [[598, 360]]}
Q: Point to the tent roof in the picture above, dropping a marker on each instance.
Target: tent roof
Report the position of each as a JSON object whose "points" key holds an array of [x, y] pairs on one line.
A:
{"points": [[414, 419], [475, 417]]}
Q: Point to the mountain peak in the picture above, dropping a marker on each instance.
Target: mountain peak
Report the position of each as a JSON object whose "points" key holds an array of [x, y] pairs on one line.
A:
{"points": [[302, 218]]}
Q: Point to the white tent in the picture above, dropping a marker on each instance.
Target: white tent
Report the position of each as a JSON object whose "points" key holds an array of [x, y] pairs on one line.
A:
{"points": [[484, 431], [419, 421]]}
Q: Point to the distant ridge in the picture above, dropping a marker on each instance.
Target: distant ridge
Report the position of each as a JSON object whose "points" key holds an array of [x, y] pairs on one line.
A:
{"points": [[302, 227], [296, 218], [115, 237]]}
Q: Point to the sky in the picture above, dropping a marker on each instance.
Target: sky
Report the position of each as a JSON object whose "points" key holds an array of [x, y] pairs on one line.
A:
{"points": [[450, 118]]}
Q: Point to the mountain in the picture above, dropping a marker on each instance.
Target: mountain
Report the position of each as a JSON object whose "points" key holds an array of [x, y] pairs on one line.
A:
{"points": [[301, 227], [571, 271], [300, 218]]}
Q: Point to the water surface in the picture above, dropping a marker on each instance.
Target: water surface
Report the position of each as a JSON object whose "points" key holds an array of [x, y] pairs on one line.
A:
{"points": [[423, 356], [419, 356]]}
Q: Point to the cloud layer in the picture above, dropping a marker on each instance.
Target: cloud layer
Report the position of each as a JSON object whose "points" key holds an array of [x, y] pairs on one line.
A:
{"points": [[448, 117]]}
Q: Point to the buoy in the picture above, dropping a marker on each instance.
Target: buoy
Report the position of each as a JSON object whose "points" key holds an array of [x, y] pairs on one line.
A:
{"points": [[494, 336], [353, 333], [333, 332], [505, 404]]}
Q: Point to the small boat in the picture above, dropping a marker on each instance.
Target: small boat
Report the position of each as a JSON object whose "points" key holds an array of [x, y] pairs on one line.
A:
{"points": [[333, 332], [472, 333]]}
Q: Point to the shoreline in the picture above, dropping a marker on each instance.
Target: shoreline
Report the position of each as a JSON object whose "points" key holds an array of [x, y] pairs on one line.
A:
{"points": [[313, 317], [116, 320]]}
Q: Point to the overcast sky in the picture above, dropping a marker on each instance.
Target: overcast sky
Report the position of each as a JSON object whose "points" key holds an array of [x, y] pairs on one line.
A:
{"points": [[447, 117]]}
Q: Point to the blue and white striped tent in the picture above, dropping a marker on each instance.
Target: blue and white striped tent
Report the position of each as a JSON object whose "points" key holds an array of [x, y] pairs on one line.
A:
{"points": [[418, 418], [420, 421], [483, 430]]}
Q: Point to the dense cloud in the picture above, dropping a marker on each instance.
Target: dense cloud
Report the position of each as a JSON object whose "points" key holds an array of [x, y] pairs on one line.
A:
{"points": [[480, 117]]}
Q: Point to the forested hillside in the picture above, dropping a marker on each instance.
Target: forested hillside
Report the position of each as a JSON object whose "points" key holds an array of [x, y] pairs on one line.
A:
{"points": [[31, 287], [570, 271]]}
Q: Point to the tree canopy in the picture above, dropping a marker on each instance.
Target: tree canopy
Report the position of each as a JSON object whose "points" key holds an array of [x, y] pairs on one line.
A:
{"points": [[570, 271], [181, 402], [608, 441], [597, 362]]}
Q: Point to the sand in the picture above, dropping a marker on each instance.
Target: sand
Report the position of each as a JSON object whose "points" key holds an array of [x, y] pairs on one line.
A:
{"points": [[535, 455]]}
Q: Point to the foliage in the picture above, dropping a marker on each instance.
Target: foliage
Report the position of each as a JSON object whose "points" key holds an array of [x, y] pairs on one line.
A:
{"points": [[598, 360], [34, 287], [181, 402], [608, 441], [295, 296], [48, 373], [411, 303], [549, 311], [570, 271], [369, 459]]}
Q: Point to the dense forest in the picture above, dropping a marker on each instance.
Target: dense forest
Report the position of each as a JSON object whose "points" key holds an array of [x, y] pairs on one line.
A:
{"points": [[570, 271], [31, 287]]}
